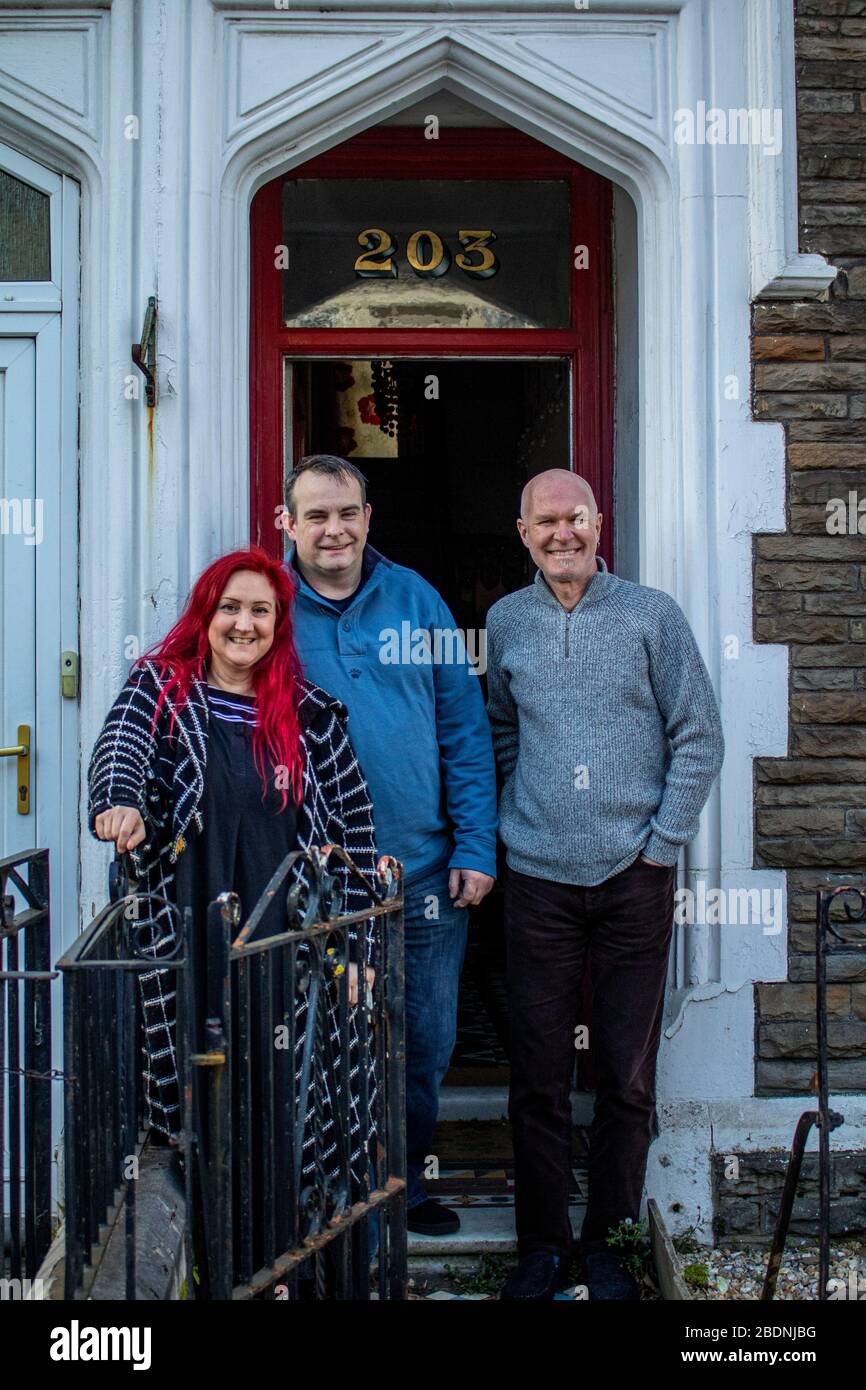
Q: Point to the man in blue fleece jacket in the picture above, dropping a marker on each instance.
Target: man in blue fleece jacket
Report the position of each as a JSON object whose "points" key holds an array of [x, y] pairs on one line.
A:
{"points": [[380, 638]]}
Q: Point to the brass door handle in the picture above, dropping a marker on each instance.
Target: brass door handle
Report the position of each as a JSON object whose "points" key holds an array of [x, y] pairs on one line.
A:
{"points": [[21, 751]]}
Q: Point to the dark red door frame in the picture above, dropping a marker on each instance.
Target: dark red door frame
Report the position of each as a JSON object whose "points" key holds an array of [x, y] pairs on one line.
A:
{"points": [[458, 154]]}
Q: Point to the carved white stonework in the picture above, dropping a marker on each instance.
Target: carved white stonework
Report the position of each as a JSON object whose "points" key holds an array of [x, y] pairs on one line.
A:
{"points": [[229, 96], [52, 71]]}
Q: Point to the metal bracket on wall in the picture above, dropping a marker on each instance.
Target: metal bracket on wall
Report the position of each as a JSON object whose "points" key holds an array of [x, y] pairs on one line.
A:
{"points": [[144, 353]]}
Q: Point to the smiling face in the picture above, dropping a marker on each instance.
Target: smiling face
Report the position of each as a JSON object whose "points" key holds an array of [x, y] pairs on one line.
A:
{"points": [[241, 630], [329, 528], [560, 528]]}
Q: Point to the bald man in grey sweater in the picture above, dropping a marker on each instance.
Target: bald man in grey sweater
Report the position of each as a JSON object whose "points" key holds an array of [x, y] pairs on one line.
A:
{"points": [[608, 737]]}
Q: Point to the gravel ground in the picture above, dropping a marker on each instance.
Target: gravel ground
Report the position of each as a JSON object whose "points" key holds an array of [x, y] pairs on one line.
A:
{"points": [[732, 1274], [739, 1274]]}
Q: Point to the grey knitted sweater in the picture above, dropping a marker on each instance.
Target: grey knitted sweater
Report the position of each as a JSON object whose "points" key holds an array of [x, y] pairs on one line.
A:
{"points": [[605, 727]]}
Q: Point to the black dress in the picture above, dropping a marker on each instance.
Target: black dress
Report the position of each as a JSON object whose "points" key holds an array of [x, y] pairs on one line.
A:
{"points": [[246, 832], [148, 745], [246, 835]]}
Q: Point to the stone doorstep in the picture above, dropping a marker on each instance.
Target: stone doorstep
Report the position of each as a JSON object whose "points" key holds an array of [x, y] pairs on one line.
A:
{"points": [[491, 1103], [160, 1256], [160, 1214], [483, 1231], [490, 1231]]}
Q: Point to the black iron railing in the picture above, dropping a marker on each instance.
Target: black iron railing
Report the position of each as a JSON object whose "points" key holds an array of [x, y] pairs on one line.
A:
{"points": [[824, 1119], [293, 1102], [102, 1050], [300, 1097], [25, 1064]]}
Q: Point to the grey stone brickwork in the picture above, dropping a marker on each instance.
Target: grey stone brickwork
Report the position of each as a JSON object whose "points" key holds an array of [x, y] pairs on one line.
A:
{"points": [[746, 1205], [809, 363]]}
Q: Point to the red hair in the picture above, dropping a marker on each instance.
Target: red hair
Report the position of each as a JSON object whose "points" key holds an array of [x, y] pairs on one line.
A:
{"points": [[181, 656]]}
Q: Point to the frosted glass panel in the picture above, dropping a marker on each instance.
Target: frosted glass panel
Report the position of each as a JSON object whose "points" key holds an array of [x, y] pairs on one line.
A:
{"points": [[25, 236]]}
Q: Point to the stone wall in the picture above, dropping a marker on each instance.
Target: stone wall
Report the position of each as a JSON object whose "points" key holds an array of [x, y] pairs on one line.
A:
{"points": [[809, 366], [746, 1205]]}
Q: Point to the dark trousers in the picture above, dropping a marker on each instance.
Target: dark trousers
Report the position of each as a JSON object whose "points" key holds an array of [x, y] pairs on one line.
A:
{"points": [[624, 924]]}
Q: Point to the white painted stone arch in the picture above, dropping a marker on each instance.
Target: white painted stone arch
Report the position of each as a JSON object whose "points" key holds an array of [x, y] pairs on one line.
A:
{"points": [[276, 144], [711, 232], [230, 94]]}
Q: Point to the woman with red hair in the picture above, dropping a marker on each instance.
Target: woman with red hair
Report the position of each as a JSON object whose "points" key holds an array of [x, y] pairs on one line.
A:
{"points": [[217, 760]]}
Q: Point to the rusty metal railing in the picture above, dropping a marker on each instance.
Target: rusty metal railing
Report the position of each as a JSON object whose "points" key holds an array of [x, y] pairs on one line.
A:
{"points": [[301, 1097], [824, 1119], [292, 1137], [104, 1129]]}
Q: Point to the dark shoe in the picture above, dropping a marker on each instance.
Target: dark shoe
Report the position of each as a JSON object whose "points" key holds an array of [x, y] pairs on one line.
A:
{"points": [[536, 1278], [608, 1279], [430, 1218]]}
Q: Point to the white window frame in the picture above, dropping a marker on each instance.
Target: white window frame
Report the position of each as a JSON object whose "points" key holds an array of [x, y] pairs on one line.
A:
{"points": [[33, 296]]}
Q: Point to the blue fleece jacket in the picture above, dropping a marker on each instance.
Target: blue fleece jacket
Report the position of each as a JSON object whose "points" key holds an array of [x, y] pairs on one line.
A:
{"points": [[418, 724]]}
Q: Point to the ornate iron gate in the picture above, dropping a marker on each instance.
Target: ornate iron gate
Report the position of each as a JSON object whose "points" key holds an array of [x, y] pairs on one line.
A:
{"points": [[292, 1101], [301, 1124]]}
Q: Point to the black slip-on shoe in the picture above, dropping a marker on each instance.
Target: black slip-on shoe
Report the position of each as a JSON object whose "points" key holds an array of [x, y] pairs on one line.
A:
{"points": [[430, 1218], [536, 1278], [608, 1279]]}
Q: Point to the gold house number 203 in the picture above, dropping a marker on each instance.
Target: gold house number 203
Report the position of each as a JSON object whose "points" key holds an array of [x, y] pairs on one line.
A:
{"points": [[427, 254]]}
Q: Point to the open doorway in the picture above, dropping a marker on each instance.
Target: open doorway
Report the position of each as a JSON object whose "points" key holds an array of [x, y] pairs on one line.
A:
{"points": [[446, 446], [440, 312]]}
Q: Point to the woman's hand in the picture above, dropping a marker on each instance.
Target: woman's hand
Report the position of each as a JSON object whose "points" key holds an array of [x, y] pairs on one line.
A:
{"points": [[353, 980], [123, 824]]}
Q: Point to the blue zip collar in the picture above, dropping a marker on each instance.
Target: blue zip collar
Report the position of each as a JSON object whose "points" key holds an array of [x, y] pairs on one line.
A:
{"points": [[373, 570]]}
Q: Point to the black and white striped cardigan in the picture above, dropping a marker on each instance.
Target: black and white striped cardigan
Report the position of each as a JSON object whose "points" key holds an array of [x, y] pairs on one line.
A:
{"points": [[163, 776]]}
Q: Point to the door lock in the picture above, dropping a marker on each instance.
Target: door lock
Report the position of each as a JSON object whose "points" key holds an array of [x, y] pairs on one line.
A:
{"points": [[21, 750]]}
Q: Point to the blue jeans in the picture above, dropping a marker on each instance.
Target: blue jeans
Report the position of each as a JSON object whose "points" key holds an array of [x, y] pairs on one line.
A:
{"points": [[435, 944]]}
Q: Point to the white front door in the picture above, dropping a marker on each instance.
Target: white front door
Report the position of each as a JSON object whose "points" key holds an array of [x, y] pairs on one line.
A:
{"points": [[39, 212], [39, 523], [21, 526]]}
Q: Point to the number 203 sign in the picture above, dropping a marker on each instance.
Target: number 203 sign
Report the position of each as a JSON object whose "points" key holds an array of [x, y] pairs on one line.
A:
{"points": [[427, 254]]}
